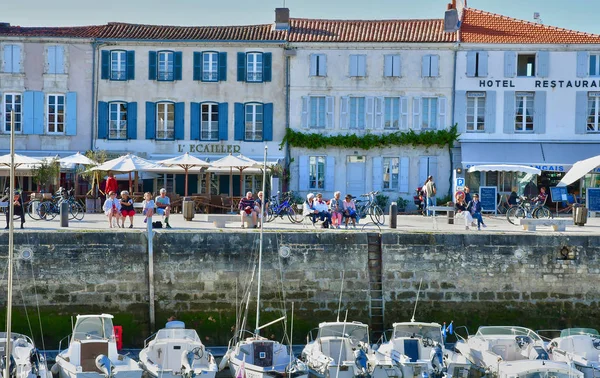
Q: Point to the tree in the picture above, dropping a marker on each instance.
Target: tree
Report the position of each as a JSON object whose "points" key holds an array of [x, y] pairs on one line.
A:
{"points": [[93, 177], [46, 174]]}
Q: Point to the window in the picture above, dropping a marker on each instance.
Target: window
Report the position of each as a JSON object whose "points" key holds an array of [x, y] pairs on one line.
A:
{"points": [[12, 101], [391, 170], [391, 66], [316, 172], [209, 125], [391, 110], [358, 65], [524, 111], [165, 120], [254, 122], [430, 111], [12, 58], [357, 112], [117, 124], [477, 63], [475, 111], [210, 69], [165, 66], [594, 64], [593, 118], [318, 65], [55, 58], [318, 113], [56, 114], [118, 63], [526, 65], [254, 67], [430, 66]]}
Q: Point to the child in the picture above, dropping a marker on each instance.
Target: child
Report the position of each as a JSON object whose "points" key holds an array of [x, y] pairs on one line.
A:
{"points": [[148, 204]]}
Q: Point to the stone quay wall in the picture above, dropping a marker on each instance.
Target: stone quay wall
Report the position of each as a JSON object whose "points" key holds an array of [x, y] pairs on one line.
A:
{"points": [[538, 281]]}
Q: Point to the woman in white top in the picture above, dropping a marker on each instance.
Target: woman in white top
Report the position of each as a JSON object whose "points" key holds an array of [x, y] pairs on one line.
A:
{"points": [[112, 209]]}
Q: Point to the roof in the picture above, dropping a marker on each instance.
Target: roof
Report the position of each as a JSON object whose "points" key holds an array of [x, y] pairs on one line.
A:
{"points": [[483, 27], [68, 32], [316, 30]]}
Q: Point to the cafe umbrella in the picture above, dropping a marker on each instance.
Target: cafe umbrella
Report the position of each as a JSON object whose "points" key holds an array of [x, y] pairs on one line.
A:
{"points": [[77, 159], [185, 161], [240, 163]]}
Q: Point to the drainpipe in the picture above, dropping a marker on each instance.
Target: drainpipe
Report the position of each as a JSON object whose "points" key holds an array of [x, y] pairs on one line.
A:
{"points": [[94, 47], [287, 116], [453, 120]]}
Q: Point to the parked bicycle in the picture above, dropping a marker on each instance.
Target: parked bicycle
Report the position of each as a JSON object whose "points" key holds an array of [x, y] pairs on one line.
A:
{"points": [[369, 207], [281, 209], [48, 210], [527, 208]]}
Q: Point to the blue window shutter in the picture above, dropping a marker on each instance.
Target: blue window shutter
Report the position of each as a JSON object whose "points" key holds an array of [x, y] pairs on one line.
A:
{"points": [[223, 121], [543, 63], [539, 112], [39, 104], [490, 112], [105, 64], [132, 120], [130, 65], [177, 65], [403, 176], [582, 63], [197, 66], [329, 173], [460, 110], [152, 66], [483, 63], [322, 65], [60, 60], [222, 66], [179, 131], [28, 112], [267, 57], [362, 65], [102, 120], [150, 120], [425, 66], [303, 184], [509, 112], [510, 62], [312, 70], [435, 65], [377, 173], [471, 63], [16, 58], [51, 57], [353, 65], [241, 67], [71, 116], [581, 105], [195, 118], [388, 66], [268, 121], [238, 121]]}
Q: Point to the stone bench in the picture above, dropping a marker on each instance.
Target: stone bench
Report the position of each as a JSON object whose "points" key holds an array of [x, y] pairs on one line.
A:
{"points": [[439, 208], [530, 224], [219, 220]]}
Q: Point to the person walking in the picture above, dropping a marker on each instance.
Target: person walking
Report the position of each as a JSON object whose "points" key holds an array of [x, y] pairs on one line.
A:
{"points": [[430, 192]]}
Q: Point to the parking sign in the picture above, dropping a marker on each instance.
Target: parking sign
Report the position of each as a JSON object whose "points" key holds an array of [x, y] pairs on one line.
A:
{"points": [[460, 182]]}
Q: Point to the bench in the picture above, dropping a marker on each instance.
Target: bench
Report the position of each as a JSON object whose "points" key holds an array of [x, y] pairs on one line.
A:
{"points": [[439, 208], [219, 220], [530, 224]]}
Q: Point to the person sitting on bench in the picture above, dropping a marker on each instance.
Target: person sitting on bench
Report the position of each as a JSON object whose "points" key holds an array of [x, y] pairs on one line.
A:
{"points": [[18, 202], [247, 210]]}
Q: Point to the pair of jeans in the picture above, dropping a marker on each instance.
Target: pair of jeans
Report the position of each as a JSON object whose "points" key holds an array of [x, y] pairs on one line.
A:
{"points": [[477, 215], [323, 216], [430, 202]]}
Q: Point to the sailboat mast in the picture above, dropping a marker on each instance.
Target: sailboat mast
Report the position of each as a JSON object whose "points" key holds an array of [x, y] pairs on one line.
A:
{"points": [[260, 247], [11, 235]]}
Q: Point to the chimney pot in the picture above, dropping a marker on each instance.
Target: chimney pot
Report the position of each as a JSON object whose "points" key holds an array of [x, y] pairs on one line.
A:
{"points": [[282, 18]]}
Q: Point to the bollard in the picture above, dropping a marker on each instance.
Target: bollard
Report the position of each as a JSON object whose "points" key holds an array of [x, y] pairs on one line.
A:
{"points": [[64, 214], [393, 215]]}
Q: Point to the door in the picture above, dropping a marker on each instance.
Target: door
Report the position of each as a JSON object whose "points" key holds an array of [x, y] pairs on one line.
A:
{"points": [[355, 175]]}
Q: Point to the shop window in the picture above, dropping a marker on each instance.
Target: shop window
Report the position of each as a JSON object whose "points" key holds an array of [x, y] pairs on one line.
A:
{"points": [[526, 65]]}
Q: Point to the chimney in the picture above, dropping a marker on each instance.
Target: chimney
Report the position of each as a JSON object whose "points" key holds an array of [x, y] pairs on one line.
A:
{"points": [[282, 18]]}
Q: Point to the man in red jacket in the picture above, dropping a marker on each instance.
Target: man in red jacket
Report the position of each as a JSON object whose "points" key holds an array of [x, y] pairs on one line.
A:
{"points": [[111, 184]]}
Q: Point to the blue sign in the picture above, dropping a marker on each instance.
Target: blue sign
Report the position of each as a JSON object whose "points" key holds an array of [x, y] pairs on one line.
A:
{"points": [[592, 197], [460, 182], [487, 197], [558, 193]]}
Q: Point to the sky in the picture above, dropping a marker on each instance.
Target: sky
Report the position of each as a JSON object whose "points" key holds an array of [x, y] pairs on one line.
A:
{"points": [[579, 15]]}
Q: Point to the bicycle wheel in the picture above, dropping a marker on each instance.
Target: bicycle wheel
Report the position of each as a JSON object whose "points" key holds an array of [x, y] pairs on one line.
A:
{"points": [[270, 216], [73, 210], [32, 209], [376, 214], [80, 211], [46, 211], [542, 213], [514, 214], [295, 217]]}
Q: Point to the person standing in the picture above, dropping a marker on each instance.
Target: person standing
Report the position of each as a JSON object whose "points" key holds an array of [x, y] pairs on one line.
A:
{"points": [[430, 192], [474, 207], [111, 184], [163, 206]]}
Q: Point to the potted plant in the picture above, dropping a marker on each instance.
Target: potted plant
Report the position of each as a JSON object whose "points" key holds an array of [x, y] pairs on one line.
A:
{"points": [[402, 204], [92, 202]]}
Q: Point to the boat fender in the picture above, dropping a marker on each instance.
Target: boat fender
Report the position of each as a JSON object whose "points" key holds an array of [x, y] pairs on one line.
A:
{"points": [[54, 369], [104, 365], [360, 359], [224, 361]]}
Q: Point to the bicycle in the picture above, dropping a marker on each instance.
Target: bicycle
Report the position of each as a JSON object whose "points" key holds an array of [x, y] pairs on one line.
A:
{"points": [[277, 209], [48, 210], [370, 208], [527, 208]]}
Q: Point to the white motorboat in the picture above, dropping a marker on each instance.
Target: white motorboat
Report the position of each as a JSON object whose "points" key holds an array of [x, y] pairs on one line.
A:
{"points": [[25, 359], [92, 352], [340, 350], [177, 352], [580, 346], [417, 349], [512, 352]]}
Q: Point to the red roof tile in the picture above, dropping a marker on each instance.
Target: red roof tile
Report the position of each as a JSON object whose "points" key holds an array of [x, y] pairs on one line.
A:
{"points": [[315, 30], [73, 31], [483, 27]]}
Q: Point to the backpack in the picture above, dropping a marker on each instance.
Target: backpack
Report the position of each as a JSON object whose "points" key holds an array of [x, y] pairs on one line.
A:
{"points": [[157, 224]]}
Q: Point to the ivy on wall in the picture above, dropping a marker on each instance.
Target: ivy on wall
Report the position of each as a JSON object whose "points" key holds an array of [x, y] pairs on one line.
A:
{"points": [[313, 141]]}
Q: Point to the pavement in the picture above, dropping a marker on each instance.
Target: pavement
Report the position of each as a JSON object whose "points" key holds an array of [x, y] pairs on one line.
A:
{"points": [[405, 223]]}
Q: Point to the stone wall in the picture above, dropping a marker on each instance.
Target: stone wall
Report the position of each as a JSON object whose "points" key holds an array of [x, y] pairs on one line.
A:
{"points": [[473, 279]]}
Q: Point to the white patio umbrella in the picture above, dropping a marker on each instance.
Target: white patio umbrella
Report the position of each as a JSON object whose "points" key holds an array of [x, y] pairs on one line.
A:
{"points": [[75, 160], [580, 169], [19, 160], [186, 162], [505, 168], [126, 164], [239, 162]]}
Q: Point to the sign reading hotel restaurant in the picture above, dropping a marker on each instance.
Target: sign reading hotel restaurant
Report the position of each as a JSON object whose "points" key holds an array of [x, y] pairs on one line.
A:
{"points": [[213, 148], [542, 84]]}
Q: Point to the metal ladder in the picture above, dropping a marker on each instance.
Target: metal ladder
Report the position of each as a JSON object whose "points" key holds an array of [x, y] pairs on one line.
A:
{"points": [[376, 301]]}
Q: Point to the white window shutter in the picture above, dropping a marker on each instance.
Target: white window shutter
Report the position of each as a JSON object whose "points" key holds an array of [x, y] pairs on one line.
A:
{"points": [[435, 65], [483, 63], [362, 65], [304, 118], [583, 58], [403, 113], [303, 183], [313, 64], [388, 65], [423, 169], [433, 168], [425, 64], [16, 56], [416, 123], [329, 100], [377, 173], [7, 58], [379, 108], [396, 65], [344, 119], [442, 105], [51, 60], [403, 176], [322, 65], [471, 63], [329, 173], [353, 65], [369, 112]]}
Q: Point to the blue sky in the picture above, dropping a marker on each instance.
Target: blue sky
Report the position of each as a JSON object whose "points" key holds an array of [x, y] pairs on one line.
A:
{"points": [[573, 14]]}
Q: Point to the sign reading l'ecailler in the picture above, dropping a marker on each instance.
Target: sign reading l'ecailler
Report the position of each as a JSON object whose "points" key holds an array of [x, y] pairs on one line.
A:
{"points": [[542, 83], [209, 148]]}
